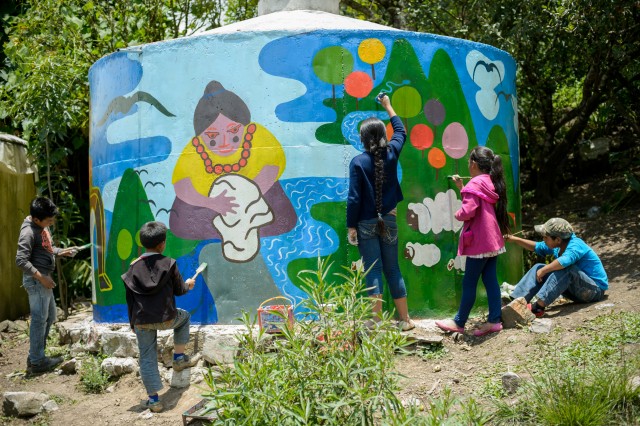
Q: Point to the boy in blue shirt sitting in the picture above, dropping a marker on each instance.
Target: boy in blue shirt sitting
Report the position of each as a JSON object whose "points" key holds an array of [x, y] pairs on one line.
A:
{"points": [[576, 272]]}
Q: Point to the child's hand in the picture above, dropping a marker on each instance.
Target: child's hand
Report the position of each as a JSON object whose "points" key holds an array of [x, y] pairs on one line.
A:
{"points": [[384, 100], [457, 180], [352, 236], [190, 282], [46, 281], [69, 252]]}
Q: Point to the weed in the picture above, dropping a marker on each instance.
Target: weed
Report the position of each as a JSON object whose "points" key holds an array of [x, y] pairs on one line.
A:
{"points": [[92, 378], [587, 382], [329, 369], [431, 352], [448, 410]]}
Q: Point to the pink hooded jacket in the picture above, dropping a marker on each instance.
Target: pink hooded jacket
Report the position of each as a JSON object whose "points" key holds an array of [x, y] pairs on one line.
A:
{"points": [[481, 232]]}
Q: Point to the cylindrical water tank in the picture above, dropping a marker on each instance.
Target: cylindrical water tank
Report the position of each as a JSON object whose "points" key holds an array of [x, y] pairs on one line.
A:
{"points": [[239, 140]]}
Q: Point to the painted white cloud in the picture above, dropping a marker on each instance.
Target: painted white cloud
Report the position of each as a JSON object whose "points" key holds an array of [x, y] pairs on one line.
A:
{"points": [[435, 214], [487, 74], [422, 254], [458, 263]]}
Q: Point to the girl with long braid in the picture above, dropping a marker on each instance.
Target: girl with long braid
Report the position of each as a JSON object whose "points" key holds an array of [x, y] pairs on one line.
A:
{"points": [[374, 192], [484, 213]]}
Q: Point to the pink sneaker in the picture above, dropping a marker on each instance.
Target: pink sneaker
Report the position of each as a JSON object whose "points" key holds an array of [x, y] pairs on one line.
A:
{"points": [[495, 327], [450, 326]]}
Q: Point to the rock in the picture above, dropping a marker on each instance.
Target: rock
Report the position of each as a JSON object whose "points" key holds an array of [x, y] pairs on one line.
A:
{"points": [[182, 379], [593, 212], [516, 313], [541, 325], [69, 367], [23, 404], [116, 367], [604, 305], [50, 406], [511, 382], [20, 325], [221, 345], [121, 344], [635, 383], [13, 326], [60, 314]]}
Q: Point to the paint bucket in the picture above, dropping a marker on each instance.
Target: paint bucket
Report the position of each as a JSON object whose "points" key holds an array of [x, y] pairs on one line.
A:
{"points": [[273, 318]]}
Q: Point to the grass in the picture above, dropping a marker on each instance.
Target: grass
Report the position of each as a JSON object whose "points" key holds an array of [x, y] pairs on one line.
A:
{"points": [[92, 378], [586, 382]]}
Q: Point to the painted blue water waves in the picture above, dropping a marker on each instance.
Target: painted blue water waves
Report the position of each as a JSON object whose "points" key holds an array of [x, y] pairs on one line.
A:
{"points": [[309, 237], [350, 129]]}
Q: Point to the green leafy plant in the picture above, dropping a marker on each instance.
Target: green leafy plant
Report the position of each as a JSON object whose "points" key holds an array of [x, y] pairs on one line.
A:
{"points": [[92, 378], [328, 369], [587, 382]]}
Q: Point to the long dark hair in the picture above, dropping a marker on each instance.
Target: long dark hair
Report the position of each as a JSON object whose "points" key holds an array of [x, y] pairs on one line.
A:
{"points": [[491, 163], [373, 135]]}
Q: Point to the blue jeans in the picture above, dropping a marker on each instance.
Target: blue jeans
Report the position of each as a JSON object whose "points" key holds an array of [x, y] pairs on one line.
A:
{"points": [[42, 305], [380, 253], [474, 268], [571, 282], [147, 335]]}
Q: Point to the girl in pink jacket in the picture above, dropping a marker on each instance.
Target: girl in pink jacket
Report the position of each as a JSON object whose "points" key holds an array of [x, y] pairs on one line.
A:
{"points": [[484, 213]]}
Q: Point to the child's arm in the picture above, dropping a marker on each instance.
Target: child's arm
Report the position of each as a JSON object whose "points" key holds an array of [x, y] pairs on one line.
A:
{"points": [[180, 286], [522, 242], [468, 208], [23, 258]]}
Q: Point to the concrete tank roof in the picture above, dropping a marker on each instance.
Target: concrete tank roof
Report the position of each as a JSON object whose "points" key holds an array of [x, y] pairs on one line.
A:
{"points": [[297, 20]]}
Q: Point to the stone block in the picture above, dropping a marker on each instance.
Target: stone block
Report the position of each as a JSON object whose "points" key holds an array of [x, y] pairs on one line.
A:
{"points": [[221, 345], [541, 325], [116, 367], [121, 344], [23, 404], [517, 313]]}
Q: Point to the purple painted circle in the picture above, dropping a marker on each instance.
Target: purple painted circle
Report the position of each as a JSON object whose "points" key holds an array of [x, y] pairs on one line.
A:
{"points": [[455, 140], [434, 111]]}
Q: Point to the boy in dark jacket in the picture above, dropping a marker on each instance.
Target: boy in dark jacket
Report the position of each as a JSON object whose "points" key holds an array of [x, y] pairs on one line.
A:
{"points": [[151, 283], [35, 257]]}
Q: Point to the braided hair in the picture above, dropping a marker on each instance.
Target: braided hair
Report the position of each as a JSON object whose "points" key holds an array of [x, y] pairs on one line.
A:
{"points": [[491, 163], [373, 135]]}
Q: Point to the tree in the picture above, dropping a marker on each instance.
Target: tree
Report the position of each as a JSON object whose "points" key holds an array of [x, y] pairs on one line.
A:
{"points": [[239, 10], [578, 60], [45, 94]]}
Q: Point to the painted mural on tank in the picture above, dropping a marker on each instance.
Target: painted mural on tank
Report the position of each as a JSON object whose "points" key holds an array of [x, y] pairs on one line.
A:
{"points": [[241, 145]]}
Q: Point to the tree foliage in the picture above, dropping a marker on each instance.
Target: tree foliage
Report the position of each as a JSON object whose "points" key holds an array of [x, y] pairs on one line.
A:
{"points": [[578, 65], [50, 46]]}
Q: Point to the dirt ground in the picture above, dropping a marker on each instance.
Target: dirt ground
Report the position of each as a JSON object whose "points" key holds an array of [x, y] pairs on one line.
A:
{"points": [[467, 366]]}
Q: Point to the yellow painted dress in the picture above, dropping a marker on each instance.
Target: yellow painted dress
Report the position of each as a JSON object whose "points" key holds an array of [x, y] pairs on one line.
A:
{"points": [[259, 148]]}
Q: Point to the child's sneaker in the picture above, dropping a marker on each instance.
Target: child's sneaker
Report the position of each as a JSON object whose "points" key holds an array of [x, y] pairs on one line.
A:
{"points": [[536, 309], [406, 325], [154, 406], [185, 362]]}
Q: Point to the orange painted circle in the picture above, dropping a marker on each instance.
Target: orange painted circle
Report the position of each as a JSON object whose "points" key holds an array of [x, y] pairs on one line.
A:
{"points": [[437, 158], [358, 84], [421, 136]]}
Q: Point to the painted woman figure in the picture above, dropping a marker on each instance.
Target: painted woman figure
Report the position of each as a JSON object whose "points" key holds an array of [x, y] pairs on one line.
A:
{"points": [[226, 179]]}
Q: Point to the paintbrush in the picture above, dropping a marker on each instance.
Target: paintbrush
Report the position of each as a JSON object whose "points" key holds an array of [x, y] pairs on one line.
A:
{"points": [[201, 268], [459, 177], [515, 233], [74, 250]]}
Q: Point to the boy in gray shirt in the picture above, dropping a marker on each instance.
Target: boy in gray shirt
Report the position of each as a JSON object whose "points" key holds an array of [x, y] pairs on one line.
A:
{"points": [[35, 257]]}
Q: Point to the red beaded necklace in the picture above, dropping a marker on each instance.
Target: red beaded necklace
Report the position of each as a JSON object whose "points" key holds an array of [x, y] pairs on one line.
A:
{"points": [[229, 167]]}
